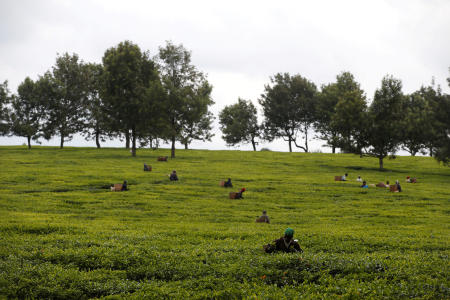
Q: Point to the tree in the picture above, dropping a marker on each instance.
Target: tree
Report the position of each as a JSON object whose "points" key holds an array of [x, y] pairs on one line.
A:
{"points": [[27, 111], [239, 123], [325, 109], [443, 151], [350, 115], [443, 119], [288, 107], [384, 130], [416, 123], [341, 114], [198, 120], [435, 100], [65, 98], [131, 90], [97, 126], [197, 130], [187, 94], [5, 98]]}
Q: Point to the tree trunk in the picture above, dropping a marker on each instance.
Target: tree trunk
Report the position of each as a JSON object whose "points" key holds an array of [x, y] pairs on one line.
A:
{"points": [[306, 141], [333, 149], [431, 151], [254, 144], [290, 144], [133, 140], [186, 146], [127, 139], [151, 143], [97, 141], [172, 154], [97, 137], [29, 142], [61, 145], [380, 159]]}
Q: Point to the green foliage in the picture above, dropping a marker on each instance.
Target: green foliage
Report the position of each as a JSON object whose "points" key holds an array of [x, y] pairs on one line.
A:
{"points": [[5, 98], [443, 152], [341, 114], [384, 132], [443, 123], [436, 116], [188, 96], [27, 111], [239, 123], [289, 109], [350, 117], [98, 125], [417, 124], [326, 102], [63, 234], [197, 124], [132, 90], [443, 117], [64, 93]]}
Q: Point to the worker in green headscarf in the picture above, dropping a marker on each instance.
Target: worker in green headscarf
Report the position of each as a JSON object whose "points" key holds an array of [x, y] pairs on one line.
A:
{"points": [[286, 243]]}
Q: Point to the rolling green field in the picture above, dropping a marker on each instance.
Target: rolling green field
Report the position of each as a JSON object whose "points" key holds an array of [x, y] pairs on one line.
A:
{"points": [[64, 235]]}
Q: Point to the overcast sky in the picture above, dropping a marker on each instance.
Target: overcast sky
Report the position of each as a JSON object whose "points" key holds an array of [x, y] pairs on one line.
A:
{"points": [[239, 44]]}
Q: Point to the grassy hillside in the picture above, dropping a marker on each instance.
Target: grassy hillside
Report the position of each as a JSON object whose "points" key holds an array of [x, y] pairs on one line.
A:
{"points": [[65, 235]]}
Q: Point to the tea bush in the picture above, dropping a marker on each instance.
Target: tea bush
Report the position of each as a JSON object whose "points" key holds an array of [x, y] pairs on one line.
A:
{"points": [[65, 235]]}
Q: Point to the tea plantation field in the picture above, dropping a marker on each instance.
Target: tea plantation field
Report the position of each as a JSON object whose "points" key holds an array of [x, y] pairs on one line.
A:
{"points": [[64, 234]]}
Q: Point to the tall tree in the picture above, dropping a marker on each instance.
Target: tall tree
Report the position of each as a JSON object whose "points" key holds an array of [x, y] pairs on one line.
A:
{"points": [[97, 125], [341, 114], [131, 90], [289, 108], [325, 109], [185, 87], [198, 120], [350, 115], [198, 130], [435, 100], [27, 111], [66, 95], [5, 98], [416, 123], [384, 130], [443, 118], [239, 123]]}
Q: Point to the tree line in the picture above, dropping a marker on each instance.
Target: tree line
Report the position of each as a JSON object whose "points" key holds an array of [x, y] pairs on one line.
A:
{"points": [[338, 113], [130, 95], [143, 99]]}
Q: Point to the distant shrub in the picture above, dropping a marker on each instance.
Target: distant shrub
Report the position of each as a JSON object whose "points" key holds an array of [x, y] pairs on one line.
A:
{"points": [[265, 149]]}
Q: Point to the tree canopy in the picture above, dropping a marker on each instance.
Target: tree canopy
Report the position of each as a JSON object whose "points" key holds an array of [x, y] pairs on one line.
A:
{"points": [[443, 122], [188, 96], [27, 111], [288, 108], [63, 91], [5, 98], [239, 123], [350, 116], [131, 89], [385, 112]]}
